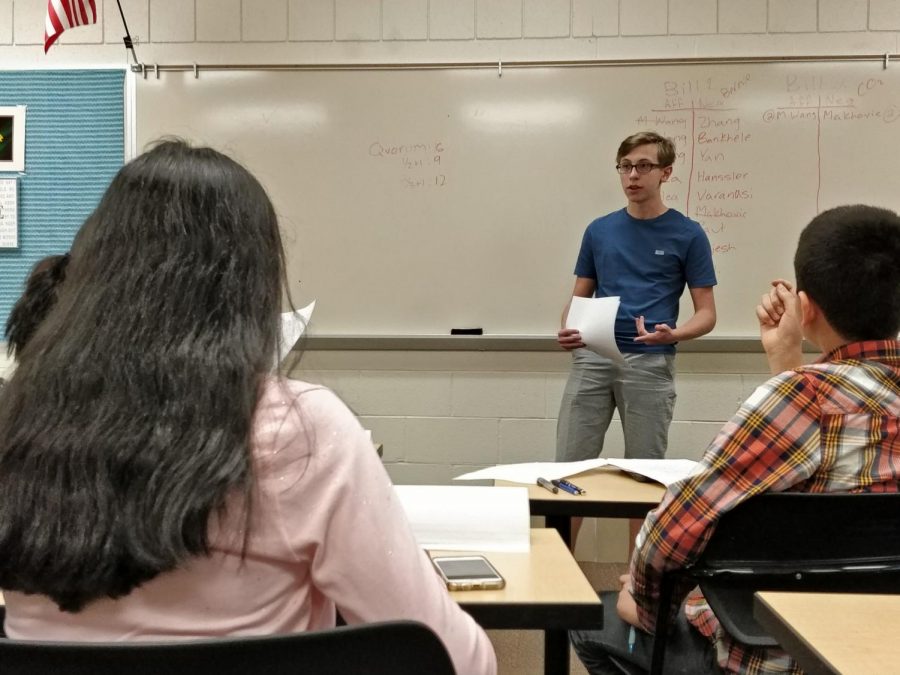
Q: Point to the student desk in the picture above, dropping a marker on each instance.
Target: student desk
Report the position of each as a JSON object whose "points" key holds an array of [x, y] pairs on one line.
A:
{"points": [[611, 493], [846, 633], [545, 590]]}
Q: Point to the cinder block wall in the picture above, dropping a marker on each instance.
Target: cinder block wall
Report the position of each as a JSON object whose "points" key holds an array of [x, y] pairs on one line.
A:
{"points": [[442, 413]]}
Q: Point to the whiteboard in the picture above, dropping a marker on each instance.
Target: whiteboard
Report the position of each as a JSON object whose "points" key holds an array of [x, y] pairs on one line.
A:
{"points": [[417, 201]]}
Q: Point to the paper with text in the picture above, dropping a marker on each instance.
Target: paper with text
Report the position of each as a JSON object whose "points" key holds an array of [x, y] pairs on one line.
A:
{"points": [[9, 213], [665, 471], [468, 518], [595, 319]]}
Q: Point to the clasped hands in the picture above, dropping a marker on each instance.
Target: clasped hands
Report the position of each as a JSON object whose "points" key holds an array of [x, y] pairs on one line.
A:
{"points": [[780, 320]]}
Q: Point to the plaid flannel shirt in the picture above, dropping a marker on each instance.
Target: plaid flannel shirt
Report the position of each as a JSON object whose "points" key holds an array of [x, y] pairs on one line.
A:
{"points": [[831, 426]]}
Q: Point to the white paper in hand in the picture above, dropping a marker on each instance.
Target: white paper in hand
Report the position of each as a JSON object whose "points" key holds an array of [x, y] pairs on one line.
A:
{"points": [[595, 319]]}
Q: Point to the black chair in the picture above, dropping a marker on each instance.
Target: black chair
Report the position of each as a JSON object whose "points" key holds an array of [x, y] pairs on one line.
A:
{"points": [[387, 648], [788, 541]]}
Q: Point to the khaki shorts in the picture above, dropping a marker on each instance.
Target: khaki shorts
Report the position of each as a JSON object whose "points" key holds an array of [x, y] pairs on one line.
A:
{"points": [[643, 392]]}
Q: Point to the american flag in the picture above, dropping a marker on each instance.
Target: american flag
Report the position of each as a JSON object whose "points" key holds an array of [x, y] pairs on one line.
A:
{"points": [[62, 14]]}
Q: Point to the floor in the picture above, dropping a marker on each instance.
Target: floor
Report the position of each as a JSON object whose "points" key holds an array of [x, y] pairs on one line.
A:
{"points": [[521, 652]]}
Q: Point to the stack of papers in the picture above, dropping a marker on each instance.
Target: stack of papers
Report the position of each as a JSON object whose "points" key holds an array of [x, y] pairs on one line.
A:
{"points": [[468, 518], [665, 471]]}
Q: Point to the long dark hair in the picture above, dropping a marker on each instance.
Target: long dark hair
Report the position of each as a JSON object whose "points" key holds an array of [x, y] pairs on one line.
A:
{"points": [[41, 289], [128, 420]]}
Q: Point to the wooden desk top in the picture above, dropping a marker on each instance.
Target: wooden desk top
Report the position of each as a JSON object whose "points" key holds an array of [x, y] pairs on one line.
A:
{"points": [[846, 633], [545, 588], [611, 493]]}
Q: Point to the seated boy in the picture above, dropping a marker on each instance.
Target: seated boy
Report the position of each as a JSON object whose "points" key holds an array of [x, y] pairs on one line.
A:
{"points": [[831, 426]]}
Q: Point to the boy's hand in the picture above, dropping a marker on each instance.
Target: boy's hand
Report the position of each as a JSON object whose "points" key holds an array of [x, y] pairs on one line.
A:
{"points": [[771, 307], [779, 326], [662, 334], [569, 339], [626, 607]]}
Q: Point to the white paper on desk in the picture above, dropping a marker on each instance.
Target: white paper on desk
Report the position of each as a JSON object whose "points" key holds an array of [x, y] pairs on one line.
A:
{"points": [[665, 471], [529, 472], [595, 319], [292, 326], [468, 518]]}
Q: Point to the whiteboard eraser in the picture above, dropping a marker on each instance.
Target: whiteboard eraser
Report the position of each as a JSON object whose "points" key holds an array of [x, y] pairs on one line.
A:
{"points": [[466, 331]]}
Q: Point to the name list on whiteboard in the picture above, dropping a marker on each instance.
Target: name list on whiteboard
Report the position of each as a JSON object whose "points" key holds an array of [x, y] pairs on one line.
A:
{"points": [[9, 213]]}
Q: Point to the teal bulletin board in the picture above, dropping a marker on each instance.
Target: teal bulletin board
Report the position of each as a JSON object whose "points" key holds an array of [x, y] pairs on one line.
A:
{"points": [[74, 145]]}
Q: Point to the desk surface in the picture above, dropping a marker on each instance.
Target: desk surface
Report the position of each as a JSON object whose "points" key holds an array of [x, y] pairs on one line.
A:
{"points": [[611, 493], [844, 633], [545, 589]]}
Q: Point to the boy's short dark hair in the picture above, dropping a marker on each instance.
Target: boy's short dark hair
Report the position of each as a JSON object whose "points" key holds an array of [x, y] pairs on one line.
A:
{"points": [[665, 147], [848, 261]]}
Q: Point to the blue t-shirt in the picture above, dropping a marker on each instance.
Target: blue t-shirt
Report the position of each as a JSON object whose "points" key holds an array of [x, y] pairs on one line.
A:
{"points": [[647, 263]]}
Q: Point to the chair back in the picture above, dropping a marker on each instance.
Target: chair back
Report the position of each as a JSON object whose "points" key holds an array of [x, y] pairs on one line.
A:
{"points": [[387, 648], [790, 541], [801, 532]]}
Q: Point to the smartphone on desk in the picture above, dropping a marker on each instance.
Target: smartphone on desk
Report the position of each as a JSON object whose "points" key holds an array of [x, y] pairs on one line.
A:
{"points": [[468, 573]]}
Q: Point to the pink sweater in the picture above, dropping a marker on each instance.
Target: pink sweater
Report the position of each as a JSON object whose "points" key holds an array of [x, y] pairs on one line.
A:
{"points": [[327, 532]]}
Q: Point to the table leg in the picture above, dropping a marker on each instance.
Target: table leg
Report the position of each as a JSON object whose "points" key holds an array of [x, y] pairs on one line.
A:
{"points": [[556, 652], [563, 525], [556, 642]]}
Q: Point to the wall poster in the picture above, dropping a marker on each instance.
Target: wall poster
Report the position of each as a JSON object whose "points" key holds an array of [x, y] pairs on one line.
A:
{"points": [[12, 138]]}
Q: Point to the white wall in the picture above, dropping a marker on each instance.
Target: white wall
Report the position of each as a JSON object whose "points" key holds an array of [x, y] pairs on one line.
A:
{"points": [[440, 413]]}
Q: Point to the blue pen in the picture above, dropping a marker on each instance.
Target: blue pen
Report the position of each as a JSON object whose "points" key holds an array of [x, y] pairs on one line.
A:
{"points": [[632, 636], [565, 486], [573, 486]]}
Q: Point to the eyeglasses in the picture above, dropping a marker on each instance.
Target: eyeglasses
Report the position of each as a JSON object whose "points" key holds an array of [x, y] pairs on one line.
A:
{"points": [[642, 167]]}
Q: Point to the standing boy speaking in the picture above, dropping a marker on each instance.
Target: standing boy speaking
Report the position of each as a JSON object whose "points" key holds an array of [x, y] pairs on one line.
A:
{"points": [[646, 254]]}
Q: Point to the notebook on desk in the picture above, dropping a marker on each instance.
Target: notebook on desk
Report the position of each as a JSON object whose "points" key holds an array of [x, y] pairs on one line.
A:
{"points": [[468, 518]]}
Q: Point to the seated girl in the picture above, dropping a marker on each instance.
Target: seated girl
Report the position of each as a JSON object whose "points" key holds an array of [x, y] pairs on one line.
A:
{"points": [[156, 482]]}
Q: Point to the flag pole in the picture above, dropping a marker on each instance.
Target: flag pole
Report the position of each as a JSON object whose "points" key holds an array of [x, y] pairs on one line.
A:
{"points": [[127, 39]]}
